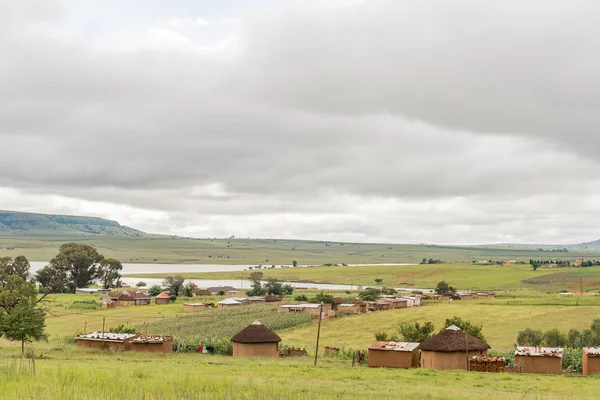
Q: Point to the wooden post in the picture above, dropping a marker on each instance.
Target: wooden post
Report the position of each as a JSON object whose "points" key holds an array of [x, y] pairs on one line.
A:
{"points": [[319, 332], [103, 323], [580, 286]]}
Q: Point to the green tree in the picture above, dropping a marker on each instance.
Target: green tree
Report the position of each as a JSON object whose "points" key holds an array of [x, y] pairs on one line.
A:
{"points": [[444, 288], [274, 287], [324, 298], [19, 267], [221, 293], [369, 294], [20, 317], [109, 273], [257, 288], [294, 263], [554, 338], [301, 297], [52, 280], [140, 284], [173, 284], [188, 289], [529, 337], [154, 290], [288, 290], [23, 323], [415, 332], [80, 262], [378, 281], [465, 325]]}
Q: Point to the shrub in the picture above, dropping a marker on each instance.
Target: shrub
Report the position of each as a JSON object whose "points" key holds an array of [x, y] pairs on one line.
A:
{"points": [[121, 329], [571, 360], [529, 337], [301, 298], [467, 326], [415, 332], [554, 338], [154, 290]]}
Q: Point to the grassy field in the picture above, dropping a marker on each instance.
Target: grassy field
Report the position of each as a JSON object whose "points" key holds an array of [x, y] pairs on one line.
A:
{"points": [[268, 251], [501, 322], [462, 276], [78, 374]]}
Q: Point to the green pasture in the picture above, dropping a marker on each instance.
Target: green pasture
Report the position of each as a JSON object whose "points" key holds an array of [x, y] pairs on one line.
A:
{"points": [[164, 249], [70, 374], [464, 276]]}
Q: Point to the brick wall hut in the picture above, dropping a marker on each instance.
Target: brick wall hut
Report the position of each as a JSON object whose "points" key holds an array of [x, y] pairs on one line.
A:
{"points": [[538, 360], [394, 355], [152, 344], [107, 340], [256, 340], [590, 361], [451, 349], [162, 298], [124, 299], [229, 303], [194, 307]]}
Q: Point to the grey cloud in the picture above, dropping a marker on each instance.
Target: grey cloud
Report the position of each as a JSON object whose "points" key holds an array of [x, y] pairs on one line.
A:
{"points": [[324, 124]]}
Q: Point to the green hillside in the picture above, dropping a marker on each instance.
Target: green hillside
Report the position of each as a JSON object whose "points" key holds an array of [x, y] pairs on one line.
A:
{"points": [[21, 224]]}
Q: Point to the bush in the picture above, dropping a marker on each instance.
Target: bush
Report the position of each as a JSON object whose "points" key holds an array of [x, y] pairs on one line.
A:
{"points": [[121, 329], [381, 336], [301, 298], [529, 337], [554, 338], [173, 298], [154, 290], [415, 332], [571, 360], [467, 326]]}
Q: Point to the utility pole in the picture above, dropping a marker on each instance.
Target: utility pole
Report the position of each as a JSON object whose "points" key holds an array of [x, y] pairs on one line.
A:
{"points": [[103, 323], [319, 331], [580, 286]]}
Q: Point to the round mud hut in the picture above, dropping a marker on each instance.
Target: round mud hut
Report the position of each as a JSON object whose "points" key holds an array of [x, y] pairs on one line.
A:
{"points": [[256, 340], [451, 349]]}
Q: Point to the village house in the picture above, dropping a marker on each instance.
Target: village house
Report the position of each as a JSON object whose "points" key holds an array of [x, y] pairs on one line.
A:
{"points": [[394, 355], [348, 308], [216, 289], [152, 344], [398, 303], [106, 340], [142, 299], [451, 349], [271, 298], [194, 307], [538, 360], [256, 340], [308, 308], [362, 304], [202, 292], [124, 299], [228, 303], [162, 298], [590, 359], [255, 300], [107, 302], [412, 301]]}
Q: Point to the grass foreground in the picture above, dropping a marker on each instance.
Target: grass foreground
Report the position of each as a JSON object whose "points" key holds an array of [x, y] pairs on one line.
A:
{"points": [[79, 374]]}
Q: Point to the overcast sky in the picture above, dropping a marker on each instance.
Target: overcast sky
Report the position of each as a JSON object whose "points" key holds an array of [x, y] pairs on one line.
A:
{"points": [[407, 121]]}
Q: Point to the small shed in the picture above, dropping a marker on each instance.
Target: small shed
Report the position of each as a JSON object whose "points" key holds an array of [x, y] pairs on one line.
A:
{"points": [[590, 361], [152, 344], [255, 300], [162, 298], [107, 302], [106, 340], [270, 298], [412, 301], [307, 308], [398, 303], [202, 292], [362, 304], [394, 355], [194, 307], [538, 360], [451, 349], [256, 340], [348, 308], [229, 303]]}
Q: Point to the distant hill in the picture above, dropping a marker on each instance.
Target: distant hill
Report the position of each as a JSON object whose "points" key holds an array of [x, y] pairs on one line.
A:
{"points": [[13, 223]]}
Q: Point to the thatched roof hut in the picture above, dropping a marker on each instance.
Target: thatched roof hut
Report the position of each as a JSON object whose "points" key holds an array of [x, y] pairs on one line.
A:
{"points": [[451, 349], [256, 340]]}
